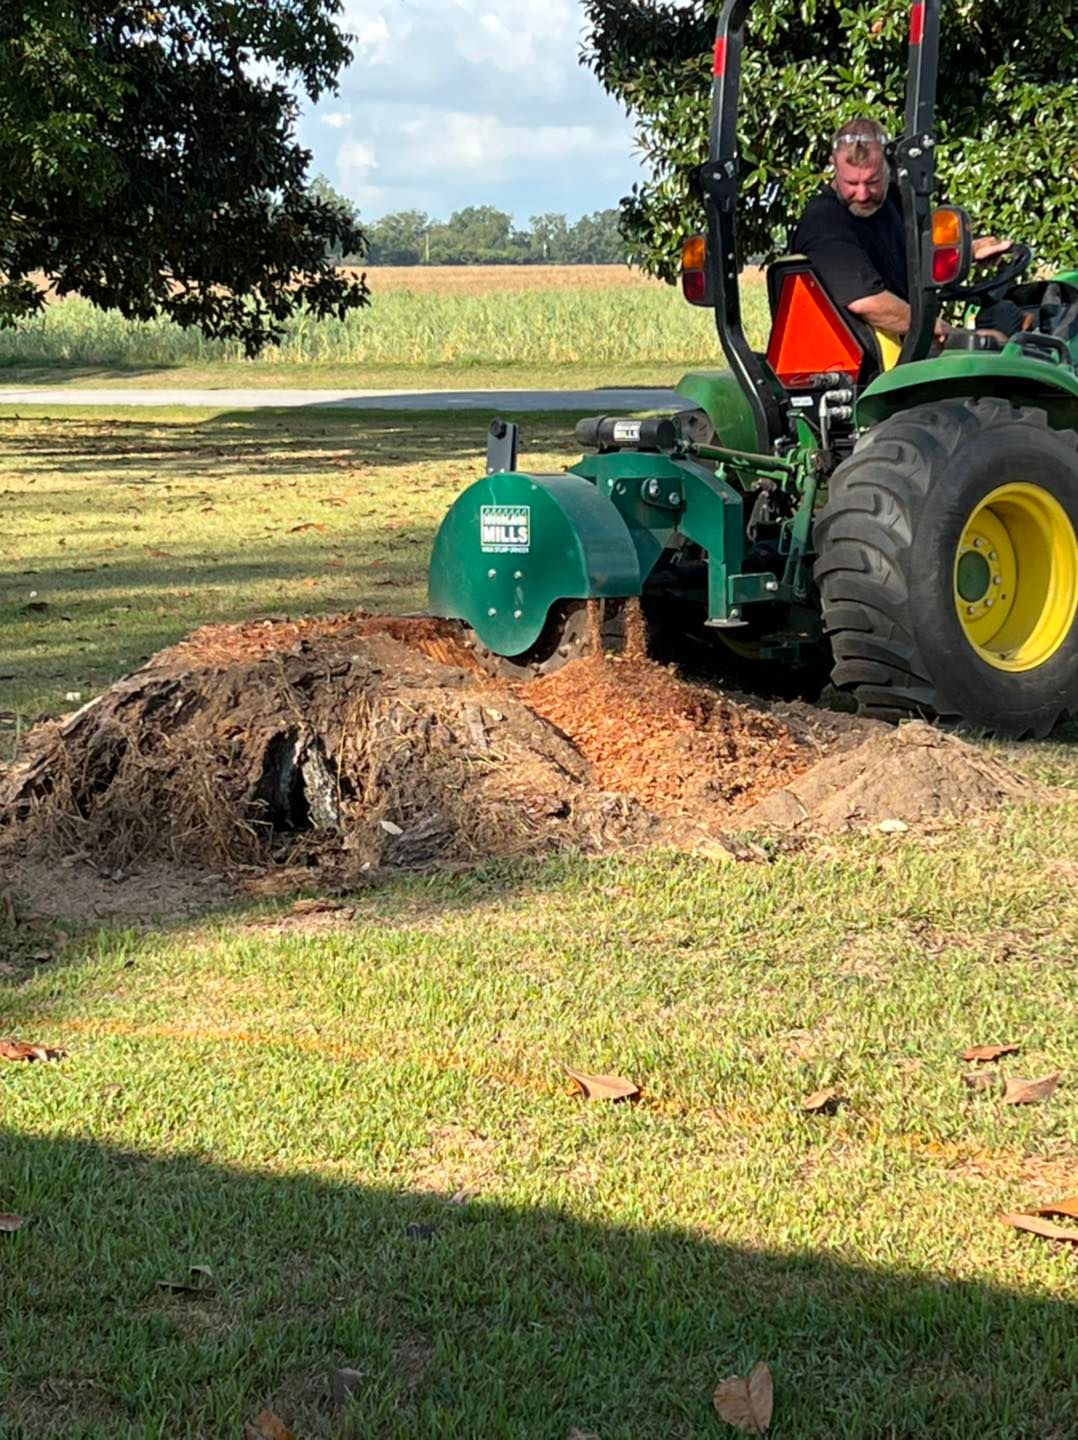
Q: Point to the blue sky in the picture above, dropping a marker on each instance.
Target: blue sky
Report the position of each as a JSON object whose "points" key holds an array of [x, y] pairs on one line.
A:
{"points": [[470, 102]]}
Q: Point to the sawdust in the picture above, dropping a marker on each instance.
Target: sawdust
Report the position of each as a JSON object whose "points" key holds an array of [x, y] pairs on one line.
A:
{"points": [[279, 750], [673, 746]]}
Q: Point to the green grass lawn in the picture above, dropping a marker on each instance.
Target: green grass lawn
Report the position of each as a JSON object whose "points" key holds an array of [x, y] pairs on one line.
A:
{"points": [[337, 375], [125, 533], [359, 1121]]}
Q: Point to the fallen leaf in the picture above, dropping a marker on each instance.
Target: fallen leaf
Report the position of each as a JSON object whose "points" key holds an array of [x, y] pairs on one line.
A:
{"points": [[746, 1401], [823, 1102], [1067, 1206], [981, 1080], [19, 1050], [461, 1197], [267, 1426], [10, 1223], [892, 827], [390, 828], [160, 554], [345, 1384], [316, 905], [306, 525], [575, 1434], [988, 1052], [1036, 1226], [604, 1087], [1028, 1092]]}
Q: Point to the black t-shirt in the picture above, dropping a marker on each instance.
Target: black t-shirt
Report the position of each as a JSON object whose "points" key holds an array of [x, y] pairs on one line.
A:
{"points": [[854, 257]]}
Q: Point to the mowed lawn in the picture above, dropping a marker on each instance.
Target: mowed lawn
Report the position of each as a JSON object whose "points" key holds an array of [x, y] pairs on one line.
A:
{"points": [[284, 1144]]}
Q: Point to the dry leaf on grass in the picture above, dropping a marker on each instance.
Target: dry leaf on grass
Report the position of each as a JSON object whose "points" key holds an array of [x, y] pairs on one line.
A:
{"points": [[981, 1080], [746, 1401], [19, 1050], [1067, 1206], [10, 1223], [1036, 1226], [575, 1434], [988, 1052], [823, 1102], [317, 906], [267, 1426], [1028, 1092], [604, 1087]]}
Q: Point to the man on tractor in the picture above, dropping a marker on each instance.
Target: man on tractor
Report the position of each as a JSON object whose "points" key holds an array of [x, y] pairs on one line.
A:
{"points": [[852, 231]]}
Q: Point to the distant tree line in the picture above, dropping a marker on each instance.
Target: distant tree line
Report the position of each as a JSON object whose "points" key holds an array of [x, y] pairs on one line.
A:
{"points": [[481, 235]]}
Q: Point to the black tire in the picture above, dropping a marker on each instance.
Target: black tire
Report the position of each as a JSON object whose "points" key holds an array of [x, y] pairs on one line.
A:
{"points": [[887, 541]]}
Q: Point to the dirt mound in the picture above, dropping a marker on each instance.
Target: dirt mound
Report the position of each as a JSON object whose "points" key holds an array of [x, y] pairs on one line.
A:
{"points": [[354, 742], [915, 774]]}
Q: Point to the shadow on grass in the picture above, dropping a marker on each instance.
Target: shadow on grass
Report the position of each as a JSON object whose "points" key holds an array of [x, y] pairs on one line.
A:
{"points": [[283, 442], [468, 1320], [16, 371]]}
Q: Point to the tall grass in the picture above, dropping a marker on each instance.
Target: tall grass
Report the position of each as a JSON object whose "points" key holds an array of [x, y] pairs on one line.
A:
{"points": [[563, 325]]}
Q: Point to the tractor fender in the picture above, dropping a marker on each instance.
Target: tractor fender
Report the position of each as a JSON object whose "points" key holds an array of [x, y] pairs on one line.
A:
{"points": [[719, 394], [1005, 374], [512, 544]]}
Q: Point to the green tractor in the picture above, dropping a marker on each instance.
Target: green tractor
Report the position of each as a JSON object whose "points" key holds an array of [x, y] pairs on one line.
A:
{"points": [[911, 517]]}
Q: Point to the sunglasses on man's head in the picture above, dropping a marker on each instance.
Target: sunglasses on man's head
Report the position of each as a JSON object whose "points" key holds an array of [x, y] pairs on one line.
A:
{"points": [[842, 141]]}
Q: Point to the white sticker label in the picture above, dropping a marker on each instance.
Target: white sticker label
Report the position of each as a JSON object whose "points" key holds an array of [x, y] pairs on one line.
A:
{"points": [[802, 401], [505, 529]]}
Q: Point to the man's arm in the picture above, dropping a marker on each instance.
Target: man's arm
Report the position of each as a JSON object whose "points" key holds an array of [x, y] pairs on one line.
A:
{"points": [[886, 311]]}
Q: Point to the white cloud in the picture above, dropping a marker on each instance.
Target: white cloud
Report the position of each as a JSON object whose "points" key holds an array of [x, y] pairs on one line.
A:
{"points": [[471, 102], [454, 141]]}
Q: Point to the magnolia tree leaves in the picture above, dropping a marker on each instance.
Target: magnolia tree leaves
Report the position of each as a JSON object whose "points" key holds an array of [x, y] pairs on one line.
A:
{"points": [[148, 161], [1007, 111]]}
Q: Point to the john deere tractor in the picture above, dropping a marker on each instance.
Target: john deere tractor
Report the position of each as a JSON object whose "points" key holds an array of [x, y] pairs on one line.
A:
{"points": [[911, 516]]}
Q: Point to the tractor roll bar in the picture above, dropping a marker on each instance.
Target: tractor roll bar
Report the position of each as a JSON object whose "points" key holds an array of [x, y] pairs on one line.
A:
{"points": [[914, 159], [719, 182]]}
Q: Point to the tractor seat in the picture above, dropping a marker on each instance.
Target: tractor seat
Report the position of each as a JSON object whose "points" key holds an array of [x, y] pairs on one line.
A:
{"points": [[811, 334]]}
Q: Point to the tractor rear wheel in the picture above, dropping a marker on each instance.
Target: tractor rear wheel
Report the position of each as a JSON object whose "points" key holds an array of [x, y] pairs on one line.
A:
{"points": [[948, 568]]}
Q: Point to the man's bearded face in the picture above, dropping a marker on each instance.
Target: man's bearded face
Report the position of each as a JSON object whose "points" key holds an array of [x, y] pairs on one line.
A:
{"points": [[861, 188]]}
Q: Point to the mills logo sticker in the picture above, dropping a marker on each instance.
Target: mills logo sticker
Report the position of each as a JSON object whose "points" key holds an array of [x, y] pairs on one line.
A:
{"points": [[505, 529]]}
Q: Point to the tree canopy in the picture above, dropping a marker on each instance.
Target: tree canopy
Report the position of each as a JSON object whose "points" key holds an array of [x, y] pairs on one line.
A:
{"points": [[148, 161], [1007, 110], [484, 235]]}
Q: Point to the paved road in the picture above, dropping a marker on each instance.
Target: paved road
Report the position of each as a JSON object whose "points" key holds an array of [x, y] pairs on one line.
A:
{"points": [[507, 402]]}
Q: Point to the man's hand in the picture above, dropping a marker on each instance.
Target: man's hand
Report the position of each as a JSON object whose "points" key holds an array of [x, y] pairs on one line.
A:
{"points": [[987, 247]]}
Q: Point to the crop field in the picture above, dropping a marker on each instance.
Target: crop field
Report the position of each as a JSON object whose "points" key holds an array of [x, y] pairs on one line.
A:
{"points": [[602, 321]]}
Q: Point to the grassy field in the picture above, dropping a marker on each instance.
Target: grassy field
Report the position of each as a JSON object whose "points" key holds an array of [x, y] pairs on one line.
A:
{"points": [[508, 325], [358, 1123], [123, 534]]}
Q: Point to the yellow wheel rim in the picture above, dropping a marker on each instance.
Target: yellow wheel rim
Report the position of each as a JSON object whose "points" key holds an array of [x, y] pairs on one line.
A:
{"points": [[1016, 577]]}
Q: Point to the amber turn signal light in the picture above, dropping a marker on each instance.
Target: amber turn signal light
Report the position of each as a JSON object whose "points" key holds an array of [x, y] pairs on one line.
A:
{"points": [[946, 227], [694, 253]]}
